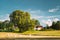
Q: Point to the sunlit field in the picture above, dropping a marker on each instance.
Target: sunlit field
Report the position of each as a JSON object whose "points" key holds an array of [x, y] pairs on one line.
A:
{"points": [[28, 33], [44, 33]]}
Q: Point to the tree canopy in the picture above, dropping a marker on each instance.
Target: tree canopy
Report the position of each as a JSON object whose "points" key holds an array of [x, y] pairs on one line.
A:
{"points": [[22, 20], [56, 25]]}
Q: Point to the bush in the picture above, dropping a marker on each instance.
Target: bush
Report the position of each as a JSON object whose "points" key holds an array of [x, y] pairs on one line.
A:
{"points": [[49, 29], [1, 30]]}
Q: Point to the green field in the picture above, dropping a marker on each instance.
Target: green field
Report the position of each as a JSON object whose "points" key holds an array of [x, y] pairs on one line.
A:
{"points": [[43, 33]]}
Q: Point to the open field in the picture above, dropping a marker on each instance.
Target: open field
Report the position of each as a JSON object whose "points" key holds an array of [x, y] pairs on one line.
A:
{"points": [[31, 34], [44, 33]]}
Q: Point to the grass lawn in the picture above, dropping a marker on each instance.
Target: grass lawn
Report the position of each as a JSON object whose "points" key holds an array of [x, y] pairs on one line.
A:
{"points": [[43, 33], [27, 33]]}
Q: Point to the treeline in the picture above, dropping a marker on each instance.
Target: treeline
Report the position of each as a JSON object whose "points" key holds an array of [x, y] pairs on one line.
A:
{"points": [[19, 21], [54, 26]]}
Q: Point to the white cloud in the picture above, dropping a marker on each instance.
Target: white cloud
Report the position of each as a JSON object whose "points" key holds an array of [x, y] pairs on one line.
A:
{"points": [[4, 17], [36, 14], [35, 11], [48, 22], [56, 19], [38, 17], [54, 9], [28, 10]]}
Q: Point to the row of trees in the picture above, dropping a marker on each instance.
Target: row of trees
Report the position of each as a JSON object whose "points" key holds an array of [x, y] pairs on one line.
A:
{"points": [[54, 26], [21, 20], [6, 26]]}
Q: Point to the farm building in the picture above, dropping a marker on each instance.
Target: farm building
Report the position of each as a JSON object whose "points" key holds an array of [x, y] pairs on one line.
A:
{"points": [[38, 28]]}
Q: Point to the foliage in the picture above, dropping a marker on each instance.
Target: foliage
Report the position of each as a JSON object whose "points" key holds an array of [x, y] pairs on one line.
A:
{"points": [[56, 25], [19, 21], [6, 26], [22, 20]]}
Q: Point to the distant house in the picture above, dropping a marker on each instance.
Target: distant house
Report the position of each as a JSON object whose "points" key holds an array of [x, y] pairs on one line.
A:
{"points": [[38, 28]]}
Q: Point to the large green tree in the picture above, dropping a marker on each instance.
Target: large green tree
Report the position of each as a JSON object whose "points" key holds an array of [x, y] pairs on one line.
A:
{"points": [[20, 19]]}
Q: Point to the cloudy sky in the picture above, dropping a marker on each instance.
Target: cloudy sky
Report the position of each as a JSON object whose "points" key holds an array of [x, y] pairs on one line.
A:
{"points": [[45, 11]]}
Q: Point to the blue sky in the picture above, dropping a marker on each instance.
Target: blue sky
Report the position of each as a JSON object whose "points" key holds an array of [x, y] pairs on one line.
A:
{"points": [[45, 11]]}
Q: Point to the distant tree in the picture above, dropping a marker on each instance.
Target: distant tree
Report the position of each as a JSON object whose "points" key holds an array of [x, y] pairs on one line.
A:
{"points": [[33, 24], [37, 22], [10, 26], [56, 25], [0, 25], [47, 27], [53, 25], [6, 25]]}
